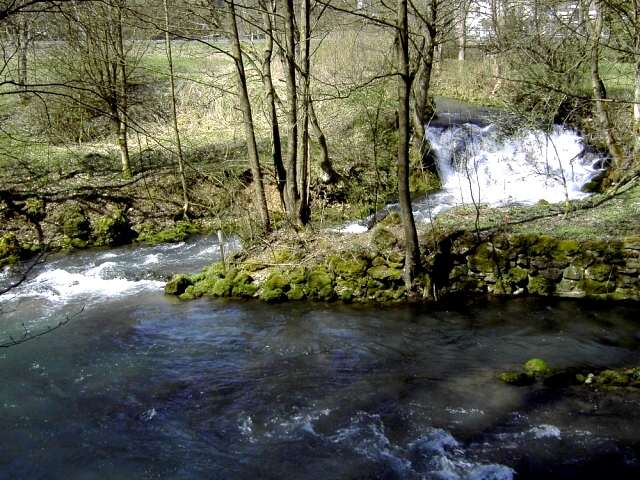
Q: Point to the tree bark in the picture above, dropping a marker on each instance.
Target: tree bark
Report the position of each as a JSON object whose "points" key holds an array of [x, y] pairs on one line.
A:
{"points": [[245, 107], [174, 112], [122, 110], [292, 195], [422, 106], [304, 212], [412, 251], [268, 12], [329, 175], [636, 106], [598, 88], [23, 51]]}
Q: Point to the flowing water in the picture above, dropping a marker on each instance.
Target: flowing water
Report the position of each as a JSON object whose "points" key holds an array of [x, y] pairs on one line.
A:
{"points": [[479, 163], [139, 385]]}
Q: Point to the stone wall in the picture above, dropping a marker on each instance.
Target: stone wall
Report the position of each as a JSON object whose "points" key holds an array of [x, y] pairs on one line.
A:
{"points": [[540, 265], [496, 265]]}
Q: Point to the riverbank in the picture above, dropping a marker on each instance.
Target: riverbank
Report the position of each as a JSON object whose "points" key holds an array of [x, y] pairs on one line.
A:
{"points": [[591, 250]]}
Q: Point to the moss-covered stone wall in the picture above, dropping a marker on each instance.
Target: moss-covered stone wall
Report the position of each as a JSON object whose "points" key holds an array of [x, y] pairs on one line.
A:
{"points": [[496, 265]]}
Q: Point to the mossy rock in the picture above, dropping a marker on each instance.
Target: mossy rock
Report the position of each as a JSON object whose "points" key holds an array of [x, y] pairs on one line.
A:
{"points": [[567, 248], [540, 285], [10, 249], [296, 276], [272, 295], [176, 233], [276, 281], [544, 245], [517, 379], [296, 293], [383, 238], [353, 267], [113, 230], [177, 285], [517, 276], [35, 209], [75, 223], [593, 287], [243, 286], [319, 284], [222, 288], [385, 274], [600, 272], [486, 259], [536, 367], [612, 378]]}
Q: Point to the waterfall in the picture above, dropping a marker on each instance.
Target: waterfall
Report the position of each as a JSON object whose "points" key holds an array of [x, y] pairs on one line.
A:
{"points": [[479, 164]]}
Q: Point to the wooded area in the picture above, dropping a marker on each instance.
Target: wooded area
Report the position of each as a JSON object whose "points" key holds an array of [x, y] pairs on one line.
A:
{"points": [[119, 116]]}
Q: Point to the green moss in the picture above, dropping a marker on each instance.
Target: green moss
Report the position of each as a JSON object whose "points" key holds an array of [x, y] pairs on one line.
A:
{"points": [[593, 287], [296, 293], [516, 378], [484, 259], [35, 209], [221, 288], [177, 233], [544, 245], [276, 281], [612, 378], [536, 367], [272, 295], [319, 284], [243, 286], [75, 224], [177, 285], [383, 238], [10, 250], [349, 267], [517, 276], [600, 272], [113, 230], [568, 247], [296, 276], [385, 274], [540, 285]]}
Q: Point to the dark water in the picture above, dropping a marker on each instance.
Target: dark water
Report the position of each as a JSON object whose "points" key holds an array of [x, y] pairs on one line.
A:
{"points": [[143, 386]]}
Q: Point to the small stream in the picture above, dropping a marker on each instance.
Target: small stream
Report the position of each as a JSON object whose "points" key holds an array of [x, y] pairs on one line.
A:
{"points": [[139, 385]]}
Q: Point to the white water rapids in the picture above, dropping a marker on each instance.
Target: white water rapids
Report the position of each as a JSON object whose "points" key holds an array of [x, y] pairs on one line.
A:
{"points": [[480, 165]]}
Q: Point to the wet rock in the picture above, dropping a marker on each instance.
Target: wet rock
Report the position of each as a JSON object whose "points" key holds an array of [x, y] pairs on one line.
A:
{"points": [[536, 367], [113, 230], [573, 272], [177, 285], [600, 272], [516, 378]]}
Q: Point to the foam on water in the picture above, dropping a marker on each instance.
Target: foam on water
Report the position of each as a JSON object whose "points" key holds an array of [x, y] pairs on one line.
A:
{"points": [[61, 285], [478, 164]]}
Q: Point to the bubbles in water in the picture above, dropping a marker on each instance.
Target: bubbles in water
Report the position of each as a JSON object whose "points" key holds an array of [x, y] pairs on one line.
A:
{"points": [[545, 431]]}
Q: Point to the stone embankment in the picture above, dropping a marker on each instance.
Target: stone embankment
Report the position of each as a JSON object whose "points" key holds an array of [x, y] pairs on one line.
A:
{"points": [[500, 264]]}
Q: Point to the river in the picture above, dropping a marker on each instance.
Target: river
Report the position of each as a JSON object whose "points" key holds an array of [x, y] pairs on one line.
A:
{"points": [[139, 385]]}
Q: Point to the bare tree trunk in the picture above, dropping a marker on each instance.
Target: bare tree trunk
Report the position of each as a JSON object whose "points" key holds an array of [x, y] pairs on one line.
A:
{"points": [[122, 93], [292, 195], [329, 175], [598, 88], [23, 51], [412, 252], [462, 30], [303, 154], [174, 112], [423, 109], [636, 106], [245, 106], [268, 12]]}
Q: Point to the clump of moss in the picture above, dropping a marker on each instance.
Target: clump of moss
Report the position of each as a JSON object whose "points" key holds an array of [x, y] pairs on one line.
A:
{"points": [[113, 230], [536, 367], [177, 285], [516, 378], [176, 233], [383, 238], [10, 249]]}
